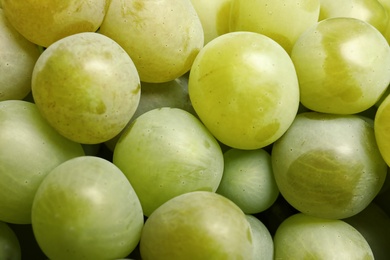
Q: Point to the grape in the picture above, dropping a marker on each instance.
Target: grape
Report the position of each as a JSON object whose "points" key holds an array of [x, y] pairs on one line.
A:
{"points": [[283, 21], [161, 54], [248, 180], [30, 148], [343, 66], [305, 237], [18, 57], [9, 243], [386, 5], [328, 165], [214, 16], [371, 11], [263, 243], [237, 89], [166, 152], [44, 22], [86, 87], [197, 225], [382, 124], [85, 208]]}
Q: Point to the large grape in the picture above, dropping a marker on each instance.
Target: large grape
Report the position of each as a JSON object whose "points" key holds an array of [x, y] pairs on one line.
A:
{"points": [[85, 208], [343, 66], [30, 148], [43, 22], [305, 237], [329, 166], [244, 88], [87, 87], [18, 57], [166, 152], [197, 225], [162, 37]]}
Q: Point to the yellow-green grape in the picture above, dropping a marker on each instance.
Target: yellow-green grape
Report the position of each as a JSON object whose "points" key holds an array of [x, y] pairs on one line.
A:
{"points": [[43, 22], [371, 11], [283, 21], [215, 17], [18, 57], [244, 88], [343, 66], [85, 208], [166, 152], [197, 225], [9, 244], [263, 244], [305, 237], [248, 180], [386, 5], [382, 128], [329, 165], [162, 37], [87, 87]]}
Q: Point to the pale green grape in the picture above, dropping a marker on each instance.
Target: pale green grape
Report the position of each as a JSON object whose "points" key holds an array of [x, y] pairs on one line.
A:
{"points": [[248, 180], [87, 87], [371, 11], [283, 21], [382, 125], [244, 88], [343, 66], [374, 224], [214, 16], [85, 208], [44, 22], [162, 37], [305, 237], [18, 57], [166, 152], [30, 148], [386, 5], [329, 165], [173, 94], [263, 243], [9, 243], [197, 225]]}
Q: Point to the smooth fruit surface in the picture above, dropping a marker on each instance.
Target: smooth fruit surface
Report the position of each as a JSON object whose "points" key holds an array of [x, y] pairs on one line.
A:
{"points": [[197, 225], [244, 88]]}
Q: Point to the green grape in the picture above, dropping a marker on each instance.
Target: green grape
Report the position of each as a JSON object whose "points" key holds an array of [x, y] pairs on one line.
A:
{"points": [[86, 87], [214, 16], [162, 37], [283, 21], [305, 237], [173, 94], [30, 148], [18, 57], [244, 88], [44, 22], [371, 11], [197, 225], [9, 243], [343, 66], [386, 5], [374, 224], [328, 165], [248, 180], [167, 152], [382, 125], [85, 208], [263, 243]]}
